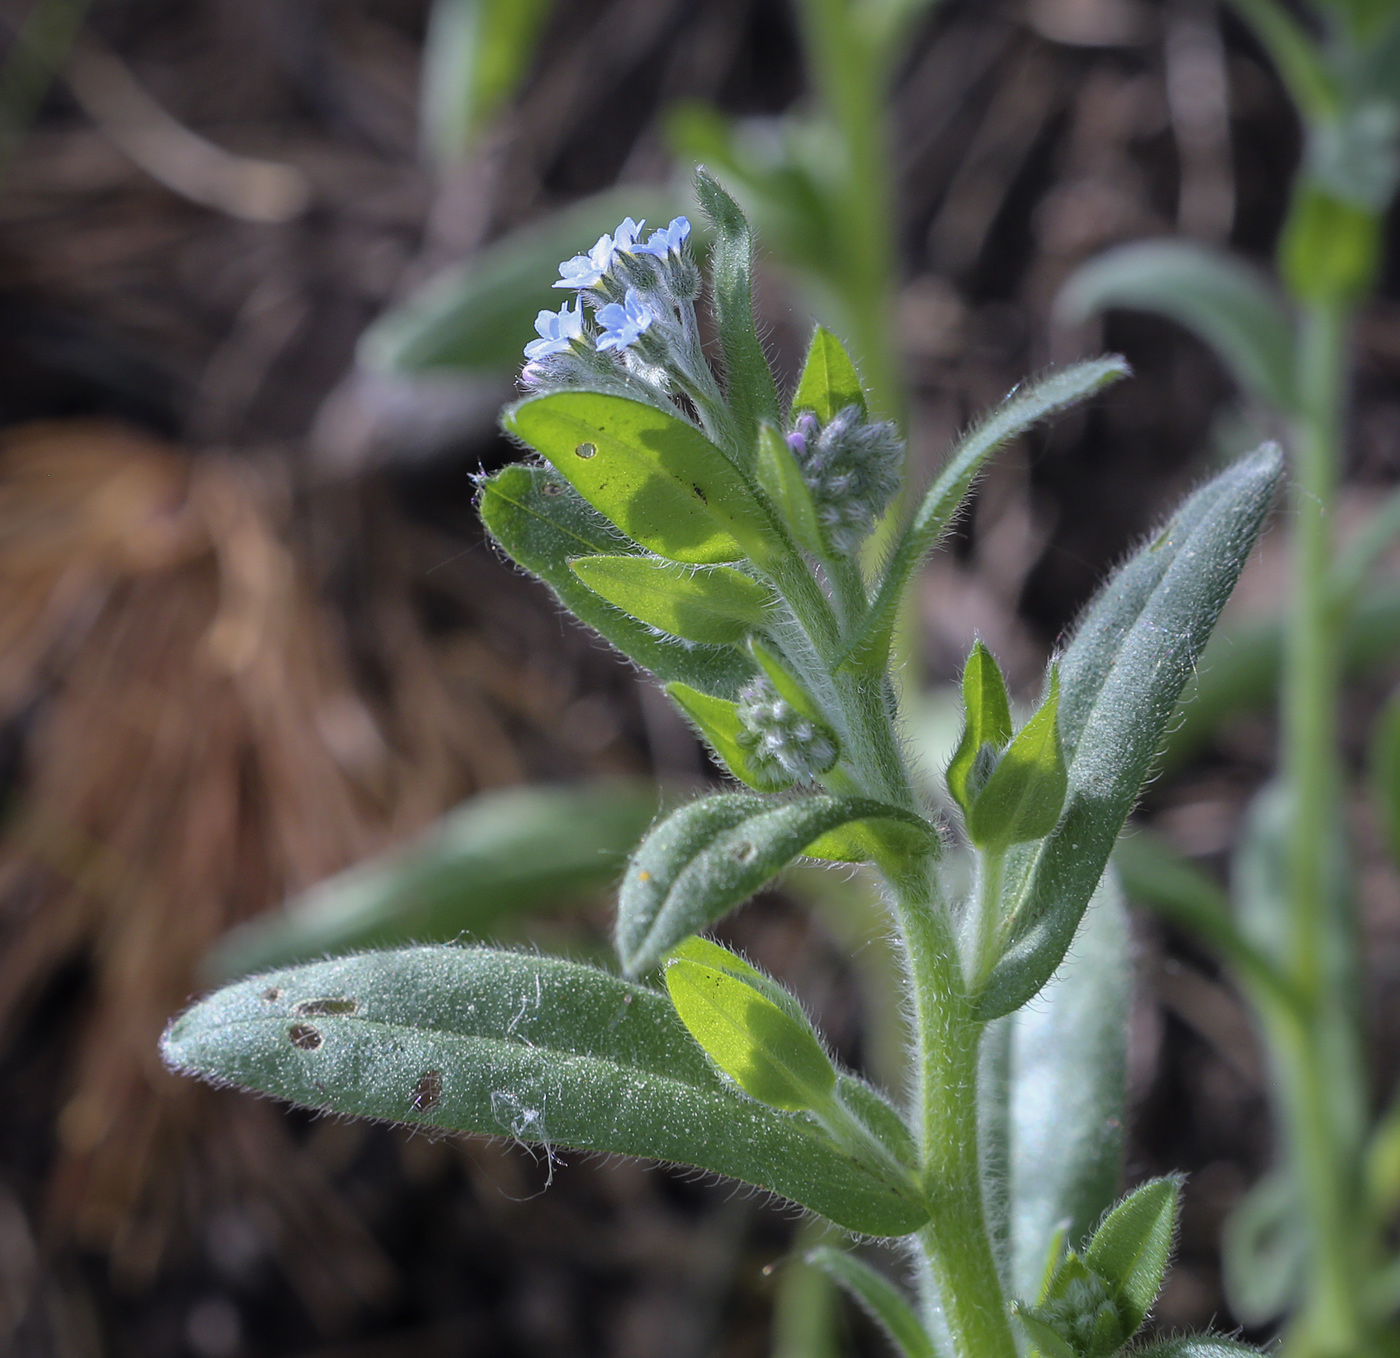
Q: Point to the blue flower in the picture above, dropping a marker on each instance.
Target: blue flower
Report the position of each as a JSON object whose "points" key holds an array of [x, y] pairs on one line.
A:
{"points": [[667, 240], [586, 271], [557, 331], [625, 237], [624, 322]]}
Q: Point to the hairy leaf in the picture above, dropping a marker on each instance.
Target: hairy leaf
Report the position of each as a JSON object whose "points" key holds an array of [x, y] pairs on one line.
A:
{"points": [[1119, 683], [717, 720], [714, 853], [1235, 310], [1130, 1250], [500, 855], [782, 481], [879, 1298], [655, 476], [543, 525], [1018, 413], [1025, 793], [986, 722], [1197, 1346], [771, 1053], [748, 379], [714, 604], [540, 1050], [829, 381], [1065, 1071], [1046, 1339]]}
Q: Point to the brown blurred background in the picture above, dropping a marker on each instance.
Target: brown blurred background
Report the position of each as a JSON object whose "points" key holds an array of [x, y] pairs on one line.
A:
{"points": [[249, 631]]}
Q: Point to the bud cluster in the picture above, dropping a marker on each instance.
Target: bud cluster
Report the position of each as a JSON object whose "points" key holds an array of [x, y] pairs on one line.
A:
{"points": [[852, 468], [782, 743]]}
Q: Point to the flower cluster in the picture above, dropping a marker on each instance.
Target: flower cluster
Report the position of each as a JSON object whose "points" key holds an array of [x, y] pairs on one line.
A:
{"points": [[783, 744], [642, 328], [852, 466]]}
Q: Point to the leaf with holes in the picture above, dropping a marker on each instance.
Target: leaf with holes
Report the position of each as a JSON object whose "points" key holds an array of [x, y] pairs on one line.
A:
{"points": [[537, 1049], [706, 858], [714, 604], [544, 525]]}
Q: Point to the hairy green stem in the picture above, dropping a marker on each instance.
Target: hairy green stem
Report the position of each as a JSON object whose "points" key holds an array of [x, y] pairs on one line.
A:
{"points": [[956, 1242]]}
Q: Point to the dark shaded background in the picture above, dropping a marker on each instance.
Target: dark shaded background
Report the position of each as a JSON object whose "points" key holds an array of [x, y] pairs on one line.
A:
{"points": [[226, 672]]}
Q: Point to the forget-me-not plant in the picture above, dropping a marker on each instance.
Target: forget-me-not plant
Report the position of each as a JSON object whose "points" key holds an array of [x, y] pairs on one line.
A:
{"points": [[710, 528]]}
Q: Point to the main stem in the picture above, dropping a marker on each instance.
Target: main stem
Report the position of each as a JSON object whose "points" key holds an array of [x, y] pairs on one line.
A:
{"points": [[1331, 1319], [956, 1241]]}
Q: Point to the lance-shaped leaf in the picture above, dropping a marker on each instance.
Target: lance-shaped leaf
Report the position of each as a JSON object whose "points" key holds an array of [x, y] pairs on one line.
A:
{"points": [[1018, 413], [713, 854], [1130, 1250], [500, 856], [717, 720], [829, 381], [986, 723], [879, 1298], [1065, 1071], [514, 1045], [654, 475], [1264, 1250], [769, 1051], [1119, 683], [714, 604], [1024, 795], [543, 525], [748, 379], [1230, 306], [783, 483], [1047, 1340]]}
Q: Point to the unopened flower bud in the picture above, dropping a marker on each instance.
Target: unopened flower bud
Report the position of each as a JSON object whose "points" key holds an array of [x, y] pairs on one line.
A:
{"points": [[781, 741], [852, 468]]}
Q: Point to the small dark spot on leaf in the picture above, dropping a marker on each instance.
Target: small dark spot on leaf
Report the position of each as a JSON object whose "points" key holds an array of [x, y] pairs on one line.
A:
{"points": [[326, 1006], [304, 1036], [272, 994], [745, 851], [700, 495], [552, 488], [586, 450], [428, 1093]]}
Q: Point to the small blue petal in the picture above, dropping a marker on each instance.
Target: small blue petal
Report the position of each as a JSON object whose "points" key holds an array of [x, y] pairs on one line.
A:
{"points": [[625, 322], [667, 240]]}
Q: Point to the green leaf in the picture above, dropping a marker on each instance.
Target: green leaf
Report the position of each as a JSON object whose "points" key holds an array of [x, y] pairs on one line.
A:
{"points": [[879, 1298], [1066, 1071], [1025, 793], [1234, 309], [986, 722], [781, 479], [748, 379], [1018, 413], [477, 316], [655, 476], [1046, 1339], [540, 1050], [717, 720], [1119, 683], [1131, 1249], [1297, 57], [474, 58], [829, 381], [543, 525], [497, 857], [772, 1055], [714, 604], [1264, 1251], [711, 855]]}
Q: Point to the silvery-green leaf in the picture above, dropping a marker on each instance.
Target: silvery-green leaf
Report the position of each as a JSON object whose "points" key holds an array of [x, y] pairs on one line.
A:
{"points": [[539, 1050], [879, 1298], [1119, 684], [714, 853]]}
